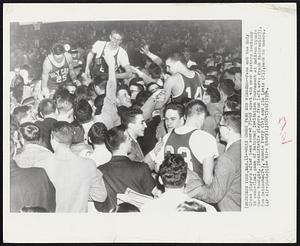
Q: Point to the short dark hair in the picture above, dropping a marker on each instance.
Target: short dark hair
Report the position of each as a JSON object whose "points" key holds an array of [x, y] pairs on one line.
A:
{"points": [[175, 106], [20, 112], [154, 70], [98, 103], [141, 88], [83, 111], [142, 97], [99, 80], [211, 69], [81, 92], [177, 56], [118, 32], [234, 70], [195, 106], [63, 132], [63, 95], [173, 171], [214, 80], [47, 106], [130, 116], [123, 87], [227, 86], [191, 206], [97, 133], [233, 120], [152, 83], [233, 102], [57, 48], [126, 207], [213, 93], [135, 81], [30, 132], [78, 132], [115, 137]]}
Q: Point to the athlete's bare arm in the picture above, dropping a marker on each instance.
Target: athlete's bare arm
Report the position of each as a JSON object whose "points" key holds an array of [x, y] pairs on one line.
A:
{"points": [[156, 59], [88, 62], [208, 161], [45, 77], [147, 79], [169, 87], [71, 68], [126, 75], [208, 168]]}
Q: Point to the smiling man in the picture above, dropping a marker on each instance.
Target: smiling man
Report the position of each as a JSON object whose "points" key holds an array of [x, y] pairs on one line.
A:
{"points": [[135, 125], [96, 64]]}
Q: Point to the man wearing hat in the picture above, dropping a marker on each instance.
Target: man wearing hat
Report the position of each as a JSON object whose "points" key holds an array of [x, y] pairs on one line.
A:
{"points": [[57, 70]]}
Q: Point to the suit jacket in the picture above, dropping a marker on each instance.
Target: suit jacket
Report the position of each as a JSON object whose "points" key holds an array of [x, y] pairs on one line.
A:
{"points": [[136, 153], [225, 189], [45, 128], [120, 173], [30, 187]]}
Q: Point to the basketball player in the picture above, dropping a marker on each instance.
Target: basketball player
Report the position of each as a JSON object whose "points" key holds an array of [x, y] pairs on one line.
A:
{"points": [[184, 83], [198, 147], [57, 70], [95, 62]]}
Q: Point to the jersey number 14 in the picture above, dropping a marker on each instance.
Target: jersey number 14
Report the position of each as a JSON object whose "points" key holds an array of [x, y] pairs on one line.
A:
{"points": [[197, 95]]}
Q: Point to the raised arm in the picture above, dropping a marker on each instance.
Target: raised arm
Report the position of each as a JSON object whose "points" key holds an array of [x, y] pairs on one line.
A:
{"points": [[71, 69], [45, 77], [89, 59], [147, 79], [168, 86], [156, 59], [109, 114], [126, 75]]}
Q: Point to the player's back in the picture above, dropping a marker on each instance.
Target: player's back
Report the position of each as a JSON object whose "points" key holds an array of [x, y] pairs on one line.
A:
{"points": [[192, 88]]}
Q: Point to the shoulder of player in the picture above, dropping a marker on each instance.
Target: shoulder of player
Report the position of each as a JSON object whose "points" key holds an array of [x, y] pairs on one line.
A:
{"points": [[99, 42], [47, 61], [122, 50], [87, 162], [173, 79], [203, 135]]}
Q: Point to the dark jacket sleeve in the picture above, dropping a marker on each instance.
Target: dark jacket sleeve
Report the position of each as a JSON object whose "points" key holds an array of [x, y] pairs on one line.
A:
{"points": [[147, 180]]}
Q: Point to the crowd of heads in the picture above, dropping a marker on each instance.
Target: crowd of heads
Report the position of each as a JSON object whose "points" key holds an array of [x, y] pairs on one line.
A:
{"points": [[216, 53]]}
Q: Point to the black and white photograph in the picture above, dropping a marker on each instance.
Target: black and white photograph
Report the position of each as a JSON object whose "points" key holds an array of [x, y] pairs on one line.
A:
{"points": [[138, 116], [102, 108]]}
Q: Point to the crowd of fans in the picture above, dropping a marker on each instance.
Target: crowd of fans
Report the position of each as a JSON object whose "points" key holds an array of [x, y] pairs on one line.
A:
{"points": [[161, 116]]}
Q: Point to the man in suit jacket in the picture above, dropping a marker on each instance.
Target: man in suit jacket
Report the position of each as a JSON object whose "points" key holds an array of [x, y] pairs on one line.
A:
{"points": [[120, 172], [225, 189], [29, 187]]}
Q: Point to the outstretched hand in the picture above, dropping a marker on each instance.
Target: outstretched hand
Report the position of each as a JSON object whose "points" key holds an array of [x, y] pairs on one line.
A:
{"points": [[145, 49]]}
